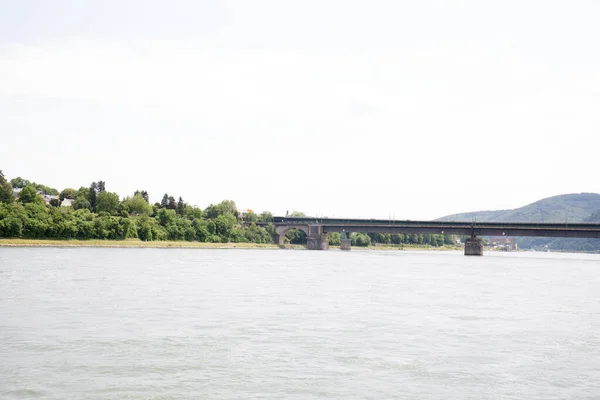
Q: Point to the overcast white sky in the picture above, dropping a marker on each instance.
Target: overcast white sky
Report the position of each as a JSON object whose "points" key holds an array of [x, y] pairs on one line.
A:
{"points": [[414, 109]]}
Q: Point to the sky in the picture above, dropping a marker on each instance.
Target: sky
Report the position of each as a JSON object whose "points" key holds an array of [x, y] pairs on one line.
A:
{"points": [[364, 109]]}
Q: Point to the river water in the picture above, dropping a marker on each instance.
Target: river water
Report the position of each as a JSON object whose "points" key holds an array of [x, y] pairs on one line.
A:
{"points": [[92, 323]]}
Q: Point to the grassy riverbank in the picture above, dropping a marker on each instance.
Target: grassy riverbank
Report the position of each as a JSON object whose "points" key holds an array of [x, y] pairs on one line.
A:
{"points": [[188, 245], [410, 247], [131, 243]]}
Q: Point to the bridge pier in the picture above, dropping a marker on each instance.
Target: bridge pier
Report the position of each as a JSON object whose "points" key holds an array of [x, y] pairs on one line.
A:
{"points": [[345, 242], [280, 239], [473, 246], [318, 242], [316, 238]]}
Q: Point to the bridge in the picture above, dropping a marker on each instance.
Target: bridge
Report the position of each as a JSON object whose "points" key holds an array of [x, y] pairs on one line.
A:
{"points": [[317, 230]]}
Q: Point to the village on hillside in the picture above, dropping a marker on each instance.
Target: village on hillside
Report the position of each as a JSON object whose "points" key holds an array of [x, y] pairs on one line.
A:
{"points": [[48, 198]]}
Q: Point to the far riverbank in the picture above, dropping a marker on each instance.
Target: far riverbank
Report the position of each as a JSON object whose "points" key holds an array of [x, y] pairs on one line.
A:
{"points": [[190, 245], [131, 244]]}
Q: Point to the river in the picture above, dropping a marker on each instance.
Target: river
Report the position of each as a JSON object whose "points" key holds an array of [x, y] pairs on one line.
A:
{"points": [[93, 323]]}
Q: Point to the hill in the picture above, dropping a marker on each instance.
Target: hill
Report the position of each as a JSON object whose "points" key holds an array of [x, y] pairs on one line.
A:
{"points": [[577, 207], [566, 207]]}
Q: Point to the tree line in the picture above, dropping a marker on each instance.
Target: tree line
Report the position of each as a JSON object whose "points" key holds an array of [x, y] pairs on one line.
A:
{"points": [[297, 236], [96, 213]]}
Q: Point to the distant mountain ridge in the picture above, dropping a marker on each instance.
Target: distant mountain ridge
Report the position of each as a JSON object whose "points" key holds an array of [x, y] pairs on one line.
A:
{"points": [[576, 207]]}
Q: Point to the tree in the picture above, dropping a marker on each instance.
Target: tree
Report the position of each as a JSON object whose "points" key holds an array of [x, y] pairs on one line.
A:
{"points": [[171, 204], [165, 201], [29, 195], [107, 202], [101, 186], [144, 228], [81, 203], [223, 208], [55, 202], [437, 240], [68, 193], [83, 192], [361, 239], [165, 216], [193, 212], [296, 236], [93, 196], [11, 226], [45, 189], [6, 190], [250, 217], [383, 238], [180, 206], [449, 239], [201, 228], [19, 182], [334, 239], [6, 193], [137, 205], [266, 216], [397, 238], [229, 207], [224, 224], [213, 211], [142, 193]]}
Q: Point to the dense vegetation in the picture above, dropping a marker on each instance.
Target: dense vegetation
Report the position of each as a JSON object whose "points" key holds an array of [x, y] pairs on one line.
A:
{"points": [[99, 214], [296, 236], [583, 207], [96, 213]]}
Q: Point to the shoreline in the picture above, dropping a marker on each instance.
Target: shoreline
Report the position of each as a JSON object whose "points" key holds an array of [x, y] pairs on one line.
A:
{"points": [[130, 244], [191, 245]]}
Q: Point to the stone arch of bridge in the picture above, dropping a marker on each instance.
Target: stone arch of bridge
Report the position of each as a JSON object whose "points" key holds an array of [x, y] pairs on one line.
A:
{"points": [[282, 230]]}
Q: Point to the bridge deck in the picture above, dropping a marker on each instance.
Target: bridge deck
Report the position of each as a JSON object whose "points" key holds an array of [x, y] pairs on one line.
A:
{"points": [[569, 230]]}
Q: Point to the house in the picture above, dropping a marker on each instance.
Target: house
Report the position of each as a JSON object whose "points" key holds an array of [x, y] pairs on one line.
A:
{"points": [[47, 197], [67, 202]]}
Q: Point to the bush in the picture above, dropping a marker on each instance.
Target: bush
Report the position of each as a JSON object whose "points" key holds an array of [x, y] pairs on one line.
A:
{"points": [[361, 240]]}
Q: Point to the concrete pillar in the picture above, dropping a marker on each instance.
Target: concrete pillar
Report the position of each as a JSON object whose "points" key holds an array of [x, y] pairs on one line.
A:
{"points": [[345, 244], [318, 242], [317, 239], [473, 246]]}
